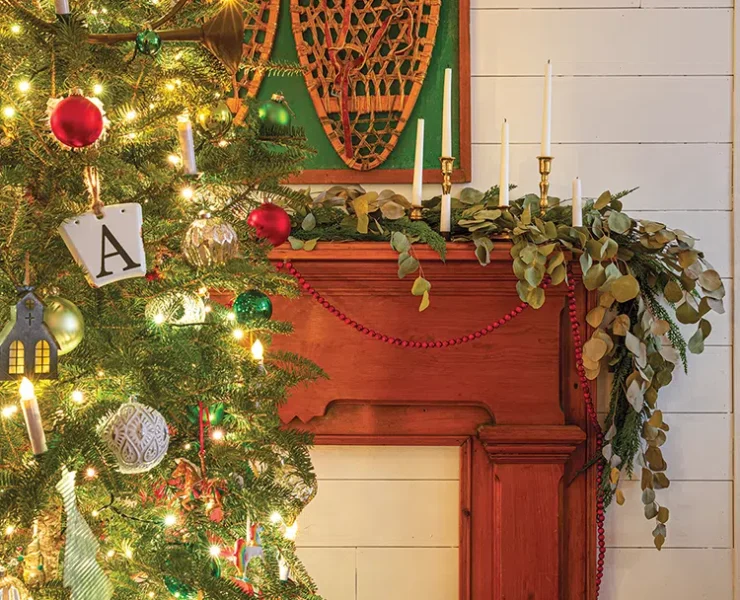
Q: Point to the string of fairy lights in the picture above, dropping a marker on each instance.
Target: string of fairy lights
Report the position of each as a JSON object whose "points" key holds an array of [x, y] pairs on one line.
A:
{"points": [[171, 519]]}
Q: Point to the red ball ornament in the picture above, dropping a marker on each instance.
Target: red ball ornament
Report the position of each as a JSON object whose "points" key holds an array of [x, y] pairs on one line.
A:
{"points": [[271, 223], [76, 121]]}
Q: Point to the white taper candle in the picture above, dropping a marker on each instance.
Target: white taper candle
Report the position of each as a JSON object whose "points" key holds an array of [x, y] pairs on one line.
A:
{"points": [[577, 204], [445, 214], [447, 115], [32, 415], [61, 7], [545, 148], [418, 164], [503, 185], [187, 147]]}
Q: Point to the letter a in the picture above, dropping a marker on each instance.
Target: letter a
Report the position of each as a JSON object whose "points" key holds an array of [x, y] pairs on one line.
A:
{"points": [[119, 251]]}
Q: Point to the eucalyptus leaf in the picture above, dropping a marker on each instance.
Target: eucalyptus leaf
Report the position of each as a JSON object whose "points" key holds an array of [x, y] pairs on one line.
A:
{"points": [[660, 481], [673, 292], [710, 280], [310, 244], [595, 349], [586, 262], [295, 243], [558, 275], [483, 254], [536, 297], [625, 288], [595, 316], [686, 314], [309, 222], [392, 211], [424, 304], [399, 242], [603, 200], [595, 277], [407, 265], [533, 276], [663, 514], [420, 286], [696, 342], [651, 510], [471, 196], [619, 222], [648, 496]]}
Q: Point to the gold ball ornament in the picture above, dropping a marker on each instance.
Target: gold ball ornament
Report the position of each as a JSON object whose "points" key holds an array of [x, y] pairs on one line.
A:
{"points": [[215, 119], [210, 241], [66, 323], [11, 588]]}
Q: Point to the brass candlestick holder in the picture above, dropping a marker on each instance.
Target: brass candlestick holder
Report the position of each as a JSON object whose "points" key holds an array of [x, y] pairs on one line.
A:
{"points": [[545, 170], [447, 163], [415, 213]]}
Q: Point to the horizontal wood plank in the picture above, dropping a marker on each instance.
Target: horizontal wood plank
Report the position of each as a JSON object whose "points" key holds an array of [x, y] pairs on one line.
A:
{"points": [[406, 574], [669, 176], [699, 447], [333, 570], [605, 109], [496, 5], [660, 42], [385, 462], [701, 516], [713, 231], [707, 388], [672, 573], [382, 513]]}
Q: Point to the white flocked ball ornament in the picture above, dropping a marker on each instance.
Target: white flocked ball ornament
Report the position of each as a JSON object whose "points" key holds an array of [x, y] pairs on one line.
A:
{"points": [[137, 436]]}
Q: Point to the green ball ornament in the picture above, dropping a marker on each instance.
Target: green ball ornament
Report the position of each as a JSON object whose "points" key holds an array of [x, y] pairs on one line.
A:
{"points": [[148, 42], [252, 305], [179, 589], [275, 113], [65, 321]]}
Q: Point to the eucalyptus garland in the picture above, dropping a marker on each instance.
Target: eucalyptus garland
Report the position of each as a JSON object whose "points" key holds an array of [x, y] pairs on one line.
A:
{"points": [[649, 279]]}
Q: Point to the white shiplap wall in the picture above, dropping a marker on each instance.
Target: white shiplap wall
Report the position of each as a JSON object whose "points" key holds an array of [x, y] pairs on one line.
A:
{"points": [[643, 96]]}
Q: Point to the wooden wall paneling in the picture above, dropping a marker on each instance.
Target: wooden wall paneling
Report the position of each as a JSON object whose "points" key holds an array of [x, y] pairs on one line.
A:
{"points": [[599, 109], [679, 42]]}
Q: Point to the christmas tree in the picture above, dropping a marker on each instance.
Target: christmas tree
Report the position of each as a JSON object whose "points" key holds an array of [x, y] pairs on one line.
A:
{"points": [[142, 454]]}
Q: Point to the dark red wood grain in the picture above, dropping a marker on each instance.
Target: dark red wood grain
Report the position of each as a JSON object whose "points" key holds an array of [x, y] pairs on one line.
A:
{"points": [[511, 402]]}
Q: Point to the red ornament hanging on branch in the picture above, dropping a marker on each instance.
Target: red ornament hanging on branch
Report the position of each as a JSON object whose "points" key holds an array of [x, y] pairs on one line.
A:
{"points": [[76, 121], [271, 222]]}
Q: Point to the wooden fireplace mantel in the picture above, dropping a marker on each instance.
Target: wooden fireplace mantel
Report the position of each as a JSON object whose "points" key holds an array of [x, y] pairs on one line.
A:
{"points": [[510, 400]]}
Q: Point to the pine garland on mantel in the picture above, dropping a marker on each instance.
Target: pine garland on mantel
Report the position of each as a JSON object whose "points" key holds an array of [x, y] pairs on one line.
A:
{"points": [[649, 279]]}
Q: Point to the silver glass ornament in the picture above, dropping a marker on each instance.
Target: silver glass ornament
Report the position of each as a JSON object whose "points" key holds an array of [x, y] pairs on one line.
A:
{"points": [[210, 241]]}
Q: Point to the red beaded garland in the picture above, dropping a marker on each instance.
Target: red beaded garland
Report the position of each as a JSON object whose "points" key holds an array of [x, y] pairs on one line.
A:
{"points": [[515, 312], [578, 352], [593, 417]]}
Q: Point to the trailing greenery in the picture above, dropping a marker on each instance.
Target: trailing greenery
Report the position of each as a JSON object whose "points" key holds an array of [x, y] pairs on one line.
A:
{"points": [[257, 468], [650, 280]]}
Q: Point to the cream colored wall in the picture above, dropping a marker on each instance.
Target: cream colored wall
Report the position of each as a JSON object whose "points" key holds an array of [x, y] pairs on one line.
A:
{"points": [[384, 524], [642, 97]]}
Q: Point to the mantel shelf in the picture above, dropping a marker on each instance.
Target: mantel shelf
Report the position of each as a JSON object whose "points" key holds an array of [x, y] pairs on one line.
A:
{"points": [[381, 251]]}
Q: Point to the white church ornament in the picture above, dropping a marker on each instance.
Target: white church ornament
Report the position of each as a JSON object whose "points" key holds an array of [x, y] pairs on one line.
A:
{"points": [[109, 248], [137, 436]]}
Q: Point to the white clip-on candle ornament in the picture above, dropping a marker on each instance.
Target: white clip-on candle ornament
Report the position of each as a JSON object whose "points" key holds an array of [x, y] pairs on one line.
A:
{"points": [[106, 241]]}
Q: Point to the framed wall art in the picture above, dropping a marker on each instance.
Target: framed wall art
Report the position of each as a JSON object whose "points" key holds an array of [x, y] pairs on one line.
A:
{"points": [[371, 69]]}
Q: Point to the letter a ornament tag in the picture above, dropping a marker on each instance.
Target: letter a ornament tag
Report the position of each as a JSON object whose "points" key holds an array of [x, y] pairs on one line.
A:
{"points": [[108, 248]]}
